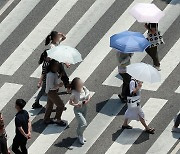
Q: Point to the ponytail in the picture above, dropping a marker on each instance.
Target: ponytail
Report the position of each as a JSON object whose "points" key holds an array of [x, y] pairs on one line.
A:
{"points": [[50, 37], [43, 57]]}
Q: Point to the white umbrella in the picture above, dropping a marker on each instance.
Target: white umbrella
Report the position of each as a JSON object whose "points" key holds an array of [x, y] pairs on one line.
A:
{"points": [[65, 54], [146, 13], [144, 72]]}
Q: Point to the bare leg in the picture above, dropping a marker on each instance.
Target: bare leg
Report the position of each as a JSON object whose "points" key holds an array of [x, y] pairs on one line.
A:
{"points": [[125, 122], [143, 123]]}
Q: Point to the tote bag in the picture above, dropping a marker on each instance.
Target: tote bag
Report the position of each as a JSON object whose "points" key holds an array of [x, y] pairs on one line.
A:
{"points": [[155, 39], [133, 101]]}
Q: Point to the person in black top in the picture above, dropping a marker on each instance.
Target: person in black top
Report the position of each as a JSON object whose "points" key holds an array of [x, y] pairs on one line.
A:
{"points": [[44, 60], [3, 137], [152, 50], [23, 128]]}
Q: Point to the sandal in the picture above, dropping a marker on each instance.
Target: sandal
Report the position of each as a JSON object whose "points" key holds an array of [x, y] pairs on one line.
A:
{"points": [[150, 130], [127, 127]]}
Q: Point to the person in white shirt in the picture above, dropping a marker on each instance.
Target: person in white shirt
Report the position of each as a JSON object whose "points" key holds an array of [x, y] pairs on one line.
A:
{"points": [[79, 99], [134, 111], [52, 87]]}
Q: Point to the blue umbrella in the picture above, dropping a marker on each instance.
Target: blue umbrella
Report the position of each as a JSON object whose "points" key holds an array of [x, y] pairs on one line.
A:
{"points": [[129, 42]]}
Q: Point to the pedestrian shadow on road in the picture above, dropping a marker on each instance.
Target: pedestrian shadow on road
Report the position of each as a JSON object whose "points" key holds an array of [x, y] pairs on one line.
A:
{"points": [[129, 134], [66, 143]]}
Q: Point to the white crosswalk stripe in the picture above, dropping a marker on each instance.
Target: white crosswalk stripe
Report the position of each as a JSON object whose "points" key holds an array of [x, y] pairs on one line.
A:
{"points": [[161, 146], [105, 117], [9, 24], [25, 49], [7, 91]]}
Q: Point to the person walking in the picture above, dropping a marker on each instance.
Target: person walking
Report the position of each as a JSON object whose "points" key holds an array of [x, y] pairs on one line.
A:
{"points": [[124, 60], [54, 39], [176, 124], [3, 137], [134, 111], [79, 99], [23, 128], [52, 87], [156, 39], [44, 60]]}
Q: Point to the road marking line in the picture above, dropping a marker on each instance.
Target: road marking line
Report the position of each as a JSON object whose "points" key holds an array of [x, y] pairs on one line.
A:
{"points": [[7, 91], [172, 12], [51, 133], [98, 125], [14, 18], [160, 145], [77, 33], [25, 49], [176, 149], [126, 139], [8, 3], [177, 90]]}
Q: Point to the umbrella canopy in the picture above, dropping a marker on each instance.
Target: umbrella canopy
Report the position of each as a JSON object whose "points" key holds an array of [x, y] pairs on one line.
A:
{"points": [[129, 42], [146, 13], [144, 72], [65, 54]]}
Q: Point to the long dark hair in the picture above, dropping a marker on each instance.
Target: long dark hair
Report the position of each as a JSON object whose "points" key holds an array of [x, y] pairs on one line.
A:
{"points": [[43, 57], [51, 37], [74, 83], [51, 65]]}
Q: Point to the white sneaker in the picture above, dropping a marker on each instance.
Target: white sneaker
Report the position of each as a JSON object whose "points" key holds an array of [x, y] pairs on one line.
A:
{"points": [[81, 140], [176, 130], [158, 68], [84, 139]]}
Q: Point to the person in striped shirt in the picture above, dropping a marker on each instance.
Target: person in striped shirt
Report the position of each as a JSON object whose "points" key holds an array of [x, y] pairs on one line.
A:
{"points": [[44, 60]]}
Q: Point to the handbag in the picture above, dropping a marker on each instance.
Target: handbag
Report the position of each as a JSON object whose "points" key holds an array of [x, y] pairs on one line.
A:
{"points": [[133, 101], [155, 39]]}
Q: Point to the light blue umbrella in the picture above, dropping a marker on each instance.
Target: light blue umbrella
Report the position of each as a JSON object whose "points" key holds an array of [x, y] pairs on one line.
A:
{"points": [[129, 42]]}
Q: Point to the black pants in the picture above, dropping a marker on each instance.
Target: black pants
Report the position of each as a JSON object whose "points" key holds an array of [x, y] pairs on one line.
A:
{"points": [[152, 52], [177, 122], [125, 88], [63, 74], [19, 142]]}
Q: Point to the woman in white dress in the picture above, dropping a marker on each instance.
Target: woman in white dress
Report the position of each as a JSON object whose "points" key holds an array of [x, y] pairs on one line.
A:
{"points": [[79, 99], [134, 111]]}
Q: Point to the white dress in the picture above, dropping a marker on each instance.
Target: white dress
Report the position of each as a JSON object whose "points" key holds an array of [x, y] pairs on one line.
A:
{"points": [[135, 112]]}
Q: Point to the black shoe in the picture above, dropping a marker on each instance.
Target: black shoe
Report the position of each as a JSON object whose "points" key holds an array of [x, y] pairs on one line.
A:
{"points": [[61, 123], [126, 127], [36, 106], [123, 100], [49, 122], [65, 108]]}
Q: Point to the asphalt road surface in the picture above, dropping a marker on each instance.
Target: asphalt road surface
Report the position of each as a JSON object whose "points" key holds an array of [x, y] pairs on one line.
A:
{"points": [[88, 24]]}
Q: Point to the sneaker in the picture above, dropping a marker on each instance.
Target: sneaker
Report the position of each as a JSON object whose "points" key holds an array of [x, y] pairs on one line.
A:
{"points": [[61, 123], [36, 106], [158, 68], [81, 140], [84, 139], [176, 130]]}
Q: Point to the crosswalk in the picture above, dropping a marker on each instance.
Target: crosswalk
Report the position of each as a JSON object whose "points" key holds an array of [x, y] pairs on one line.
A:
{"points": [[104, 118]]}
